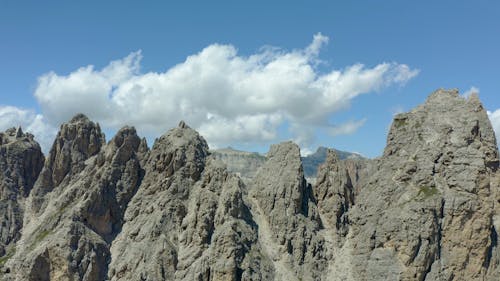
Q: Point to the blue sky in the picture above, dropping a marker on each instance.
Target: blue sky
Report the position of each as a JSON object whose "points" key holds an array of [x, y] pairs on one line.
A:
{"points": [[408, 50]]}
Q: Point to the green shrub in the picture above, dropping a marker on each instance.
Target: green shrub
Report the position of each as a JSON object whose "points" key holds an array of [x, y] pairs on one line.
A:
{"points": [[427, 191]]}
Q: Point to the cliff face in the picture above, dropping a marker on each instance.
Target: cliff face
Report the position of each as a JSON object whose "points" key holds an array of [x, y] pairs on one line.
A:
{"points": [[244, 164], [188, 220], [428, 210], [288, 218], [76, 207], [21, 160], [425, 210]]}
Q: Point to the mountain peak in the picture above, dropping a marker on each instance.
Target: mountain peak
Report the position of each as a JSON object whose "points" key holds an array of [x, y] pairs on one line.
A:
{"points": [[79, 117]]}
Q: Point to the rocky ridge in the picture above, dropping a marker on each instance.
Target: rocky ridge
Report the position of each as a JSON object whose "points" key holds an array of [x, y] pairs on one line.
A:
{"points": [[427, 209], [246, 164]]}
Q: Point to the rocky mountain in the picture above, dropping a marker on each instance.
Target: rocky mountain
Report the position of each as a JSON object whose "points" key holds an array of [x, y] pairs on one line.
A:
{"points": [[245, 164], [312, 161], [427, 209]]}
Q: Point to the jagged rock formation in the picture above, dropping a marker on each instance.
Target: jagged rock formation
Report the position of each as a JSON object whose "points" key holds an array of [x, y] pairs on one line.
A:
{"points": [[286, 212], [187, 220], [337, 186], [21, 160], [428, 209], [77, 210]]}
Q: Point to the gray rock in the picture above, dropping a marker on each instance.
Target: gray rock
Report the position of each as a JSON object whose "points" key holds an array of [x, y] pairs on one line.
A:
{"points": [[21, 161], [188, 220], [246, 164], [153, 219], [75, 142], [69, 238], [288, 218], [337, 185], [427, 212]]}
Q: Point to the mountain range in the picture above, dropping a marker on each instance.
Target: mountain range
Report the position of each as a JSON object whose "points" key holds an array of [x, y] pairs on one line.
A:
{"points": [[91, 209], [245, 164]]}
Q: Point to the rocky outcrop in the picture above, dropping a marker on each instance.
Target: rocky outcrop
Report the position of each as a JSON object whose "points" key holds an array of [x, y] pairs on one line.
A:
{"points": [[75, 142], [188, 220], [337, 185], [21, 160], [69, 238], [246, 164], [147, 246], [287, 216], [429, 211]]}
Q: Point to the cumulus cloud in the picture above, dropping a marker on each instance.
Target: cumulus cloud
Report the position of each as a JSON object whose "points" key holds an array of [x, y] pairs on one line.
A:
{"points": [[11, 116], [228, 97]]}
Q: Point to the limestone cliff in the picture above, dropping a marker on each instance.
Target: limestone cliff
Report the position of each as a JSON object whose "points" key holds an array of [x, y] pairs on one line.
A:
{"points": [[429, 209], [77, 208], [288, 218], [188, 220], [21, 160], [244, 164]]}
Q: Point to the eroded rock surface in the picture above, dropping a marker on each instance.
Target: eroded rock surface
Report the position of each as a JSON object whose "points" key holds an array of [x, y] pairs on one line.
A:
{"points": [[336, 189], [188, 220], [21, 161], [428, 211], [69, 237], [287, 216]]}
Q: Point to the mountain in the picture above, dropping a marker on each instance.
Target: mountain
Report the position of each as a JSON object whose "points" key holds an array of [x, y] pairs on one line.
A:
{"points": [[92, 210], [245, 164], [312, 161]]}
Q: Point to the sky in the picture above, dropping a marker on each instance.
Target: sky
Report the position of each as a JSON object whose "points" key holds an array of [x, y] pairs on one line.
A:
{"points": [[245, 74]]}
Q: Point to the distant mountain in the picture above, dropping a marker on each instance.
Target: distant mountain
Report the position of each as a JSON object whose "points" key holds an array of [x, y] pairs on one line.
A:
{"points": [[311, 162], [243, 163], [246, 164]]}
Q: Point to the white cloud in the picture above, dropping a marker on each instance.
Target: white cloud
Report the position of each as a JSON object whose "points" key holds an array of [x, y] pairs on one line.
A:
{"points": [[495, 122], [347, 128], [471, 91], [11, 116], [229, 98], [306, 151], [397, 110], [31, 122]]}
